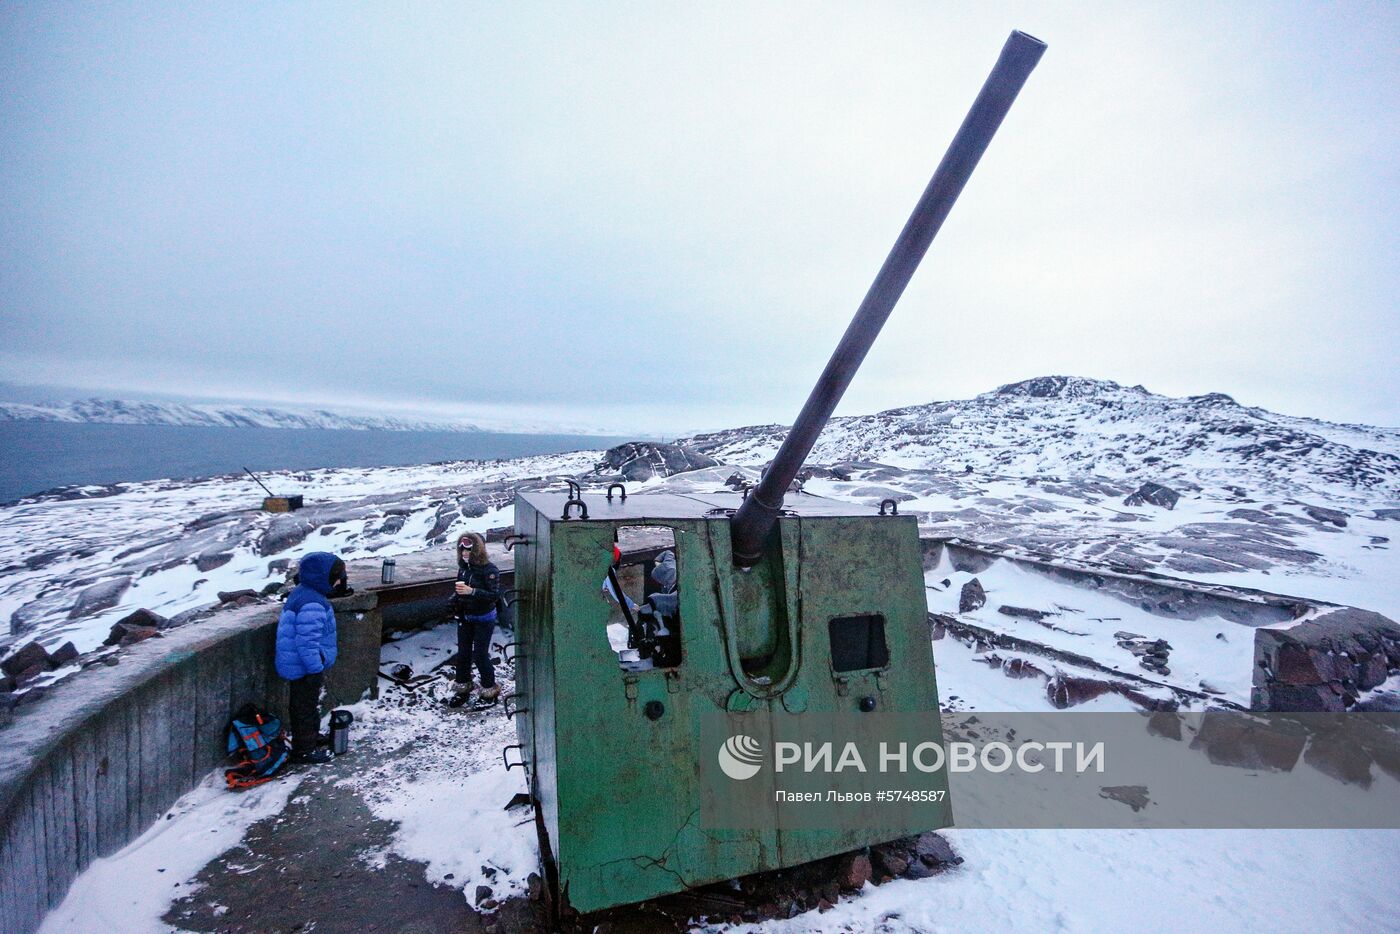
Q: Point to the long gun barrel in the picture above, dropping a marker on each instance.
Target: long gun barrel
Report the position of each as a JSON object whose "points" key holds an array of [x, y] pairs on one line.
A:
{"points": [[755, 518]]}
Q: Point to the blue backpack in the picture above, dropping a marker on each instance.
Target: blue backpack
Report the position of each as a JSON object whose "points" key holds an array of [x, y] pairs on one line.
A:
{"points": [[258, 745]]}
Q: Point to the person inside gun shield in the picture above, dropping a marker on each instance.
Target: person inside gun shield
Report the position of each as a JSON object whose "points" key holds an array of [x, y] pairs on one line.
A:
{"points": [[474, 608], [658, 618]]}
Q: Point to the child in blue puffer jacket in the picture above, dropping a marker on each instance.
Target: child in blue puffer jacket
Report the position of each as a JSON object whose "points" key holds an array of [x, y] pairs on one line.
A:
{"points": [[306, 648]]}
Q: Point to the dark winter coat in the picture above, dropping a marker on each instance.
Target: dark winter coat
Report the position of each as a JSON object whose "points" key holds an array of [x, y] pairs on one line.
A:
{"points": [[306, 628], [485, 579]]}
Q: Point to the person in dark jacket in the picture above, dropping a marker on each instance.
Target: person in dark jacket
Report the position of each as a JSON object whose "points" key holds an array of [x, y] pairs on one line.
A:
{"points": [[306, 647], [474, 599]]}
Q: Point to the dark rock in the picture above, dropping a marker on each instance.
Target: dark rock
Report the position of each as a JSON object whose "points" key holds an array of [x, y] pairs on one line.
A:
{"points": [[285, 531], [125, 633], [100, 596], [233, 596], [1330, 516], [211, 560], [1340, 757], [1134, 796], [933, 851], [279, 565], [7, 684], [135, 634], [1387, 513], [27, 657], [853, 871], [890, 859], [270, 589], [973, 597], [1065, 691], [1023, 613], [642, 460], [1238, 740], [402, 672], [534, 886], [68, 652], [111, 660], [1153, 494], [144, 617], [483, 892], [29, 674]]}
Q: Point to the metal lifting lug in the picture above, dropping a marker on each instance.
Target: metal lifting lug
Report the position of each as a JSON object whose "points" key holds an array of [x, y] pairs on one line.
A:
{"points": [[894, 507], [629, 687], [512, 540], [622, 491], [582, 509], [575, 491], [509, 658], [511, 596], [505, 757]]}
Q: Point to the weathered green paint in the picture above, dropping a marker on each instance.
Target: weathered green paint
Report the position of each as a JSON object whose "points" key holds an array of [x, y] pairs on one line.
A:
{"points": [[618, 792]]}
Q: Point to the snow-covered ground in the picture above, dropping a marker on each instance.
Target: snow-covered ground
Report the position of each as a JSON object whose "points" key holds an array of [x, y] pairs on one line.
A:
{"points": [[1267, 501], [440, 779]]}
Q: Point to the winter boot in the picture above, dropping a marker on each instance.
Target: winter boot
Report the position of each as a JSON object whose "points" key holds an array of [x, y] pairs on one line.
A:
{"points": [[461, 692], [489, 695]]}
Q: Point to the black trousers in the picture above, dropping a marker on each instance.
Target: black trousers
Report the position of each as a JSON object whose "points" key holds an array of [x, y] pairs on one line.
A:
{"points": [[473, 645], [304, 712]]}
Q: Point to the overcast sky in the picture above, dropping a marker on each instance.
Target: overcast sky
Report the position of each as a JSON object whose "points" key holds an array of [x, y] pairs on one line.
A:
{"points": [[661, 216]]}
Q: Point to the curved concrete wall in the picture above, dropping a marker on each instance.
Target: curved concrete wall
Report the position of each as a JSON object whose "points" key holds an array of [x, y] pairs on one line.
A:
{"points": [[88, 767]]}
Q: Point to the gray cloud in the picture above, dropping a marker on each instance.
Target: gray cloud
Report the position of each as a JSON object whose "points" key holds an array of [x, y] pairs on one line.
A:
{"points": [[667, 216]]}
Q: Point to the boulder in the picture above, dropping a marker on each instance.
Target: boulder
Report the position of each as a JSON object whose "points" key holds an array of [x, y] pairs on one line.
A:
{"points": [[65, 653], [208, 561], [234, 596], [1152, 494], [102, 595], [854, 871], [642, 460], [1329, 516], [973, 597], [1134, 796], [26, 658], [145, 618], [933, 851], [285, 531]]}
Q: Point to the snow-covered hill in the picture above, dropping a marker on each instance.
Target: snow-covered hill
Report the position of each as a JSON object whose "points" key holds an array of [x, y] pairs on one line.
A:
{"points": [[1283, 504], [119, 412], [1061, 426]]}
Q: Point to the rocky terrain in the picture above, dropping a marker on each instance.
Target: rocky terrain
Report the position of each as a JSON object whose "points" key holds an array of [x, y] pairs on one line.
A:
{"points": [[1088, 470], [120, 412]]}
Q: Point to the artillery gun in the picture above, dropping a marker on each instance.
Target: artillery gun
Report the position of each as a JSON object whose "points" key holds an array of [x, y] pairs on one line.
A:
{"points": [[785, 611]]}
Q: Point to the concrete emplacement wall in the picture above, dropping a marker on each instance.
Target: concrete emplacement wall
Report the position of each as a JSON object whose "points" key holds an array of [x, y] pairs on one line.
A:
{"points": [[88, 767]]}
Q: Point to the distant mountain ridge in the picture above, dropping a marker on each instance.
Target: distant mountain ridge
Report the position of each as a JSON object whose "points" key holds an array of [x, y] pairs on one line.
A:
{"points": [[119, 412], [1058, 426]]}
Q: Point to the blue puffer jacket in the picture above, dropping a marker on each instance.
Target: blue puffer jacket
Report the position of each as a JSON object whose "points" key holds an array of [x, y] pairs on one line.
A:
{"points": [[306, 629]]}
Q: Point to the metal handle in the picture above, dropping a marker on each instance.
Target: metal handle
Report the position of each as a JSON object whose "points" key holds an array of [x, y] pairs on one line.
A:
{"points": [[512, 540], [505, 758], [619, 487], [510, 596], [510, 660], [575, 491], [582, 508], [505, 706], [894, 507]]}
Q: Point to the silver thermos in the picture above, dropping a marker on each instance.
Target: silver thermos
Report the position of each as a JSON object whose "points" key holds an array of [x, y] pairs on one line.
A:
{"points": [[340, 731], [386, 571]]}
